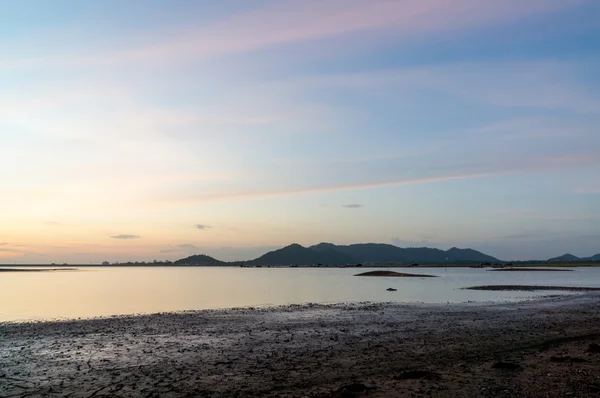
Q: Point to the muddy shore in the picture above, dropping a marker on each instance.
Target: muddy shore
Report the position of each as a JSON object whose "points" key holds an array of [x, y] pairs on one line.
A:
{"points": [[542, 348]]}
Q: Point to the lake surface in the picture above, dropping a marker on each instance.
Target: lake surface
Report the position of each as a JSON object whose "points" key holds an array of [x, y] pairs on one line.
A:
{"points": [[104, 291]]}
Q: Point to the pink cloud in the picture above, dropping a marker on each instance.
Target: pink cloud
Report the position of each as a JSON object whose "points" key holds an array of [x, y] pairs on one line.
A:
{"points": [[222, 197], [503, 167], [551, 85], [287, 22], [294, 21]]}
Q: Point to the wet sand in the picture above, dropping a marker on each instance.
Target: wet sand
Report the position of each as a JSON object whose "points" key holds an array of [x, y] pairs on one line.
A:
{"points": [[534, 349]]}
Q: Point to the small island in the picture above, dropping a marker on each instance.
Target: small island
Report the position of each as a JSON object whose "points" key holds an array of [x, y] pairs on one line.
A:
{"points": [[394, 274], [533, 288]]}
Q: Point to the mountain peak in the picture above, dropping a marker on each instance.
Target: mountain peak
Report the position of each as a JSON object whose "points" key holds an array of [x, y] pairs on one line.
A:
{"points": [[199, 259], [297, 254], [323, 246], [567, 257]]}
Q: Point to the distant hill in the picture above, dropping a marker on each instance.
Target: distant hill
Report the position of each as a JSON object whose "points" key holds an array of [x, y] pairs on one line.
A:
{"points": [[199, 259], [300, 255], [565, 258], [372, 253], [595, 257], [469, 255], [385, 253], [360, 253]]}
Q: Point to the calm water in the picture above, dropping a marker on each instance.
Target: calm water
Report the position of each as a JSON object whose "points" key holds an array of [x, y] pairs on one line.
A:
{"points": [[91, 292]]}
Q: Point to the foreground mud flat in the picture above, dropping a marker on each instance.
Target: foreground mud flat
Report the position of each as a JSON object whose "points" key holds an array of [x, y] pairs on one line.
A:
{"points": [[544, 348]]}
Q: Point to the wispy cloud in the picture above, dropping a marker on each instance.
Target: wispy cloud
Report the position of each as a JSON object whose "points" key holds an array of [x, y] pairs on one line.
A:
{"points": [[352, 206], [202, 227], [125, 237], [305, 191], [54, 223], [532, 84], [287, 22], [187, 246], [461, 172], [523, 214], [12, 252], [590, 190]]}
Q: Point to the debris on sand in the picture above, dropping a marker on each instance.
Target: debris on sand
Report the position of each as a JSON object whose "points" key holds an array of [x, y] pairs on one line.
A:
{"points": [[390, 289], [393, 273], [531, 269], [532, 288]]}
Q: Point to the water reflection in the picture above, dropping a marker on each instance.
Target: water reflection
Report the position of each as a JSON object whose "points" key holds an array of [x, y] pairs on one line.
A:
{"points": [[110, 291]]}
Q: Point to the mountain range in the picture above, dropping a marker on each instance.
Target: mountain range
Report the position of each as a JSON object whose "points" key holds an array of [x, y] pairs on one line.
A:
{"points": [[361, 253], [569, 258]]}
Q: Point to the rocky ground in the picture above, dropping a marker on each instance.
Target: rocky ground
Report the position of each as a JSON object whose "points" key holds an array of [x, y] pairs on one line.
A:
{"points": [[544, 348]]}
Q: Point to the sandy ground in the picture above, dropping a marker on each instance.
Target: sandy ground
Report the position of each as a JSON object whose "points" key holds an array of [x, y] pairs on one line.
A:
{"points": [[533, 349]]}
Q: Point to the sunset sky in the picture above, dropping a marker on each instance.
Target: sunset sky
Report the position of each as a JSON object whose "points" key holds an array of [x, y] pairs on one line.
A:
{"points": [[143, 129]]}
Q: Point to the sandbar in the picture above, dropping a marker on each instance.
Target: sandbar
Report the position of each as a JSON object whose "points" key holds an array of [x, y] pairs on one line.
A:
{"points": [[532, 269], [394, 274], [533, 288]]}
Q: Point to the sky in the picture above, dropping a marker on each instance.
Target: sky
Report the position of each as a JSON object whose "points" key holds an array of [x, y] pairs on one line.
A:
{"points": [[150, 129]]}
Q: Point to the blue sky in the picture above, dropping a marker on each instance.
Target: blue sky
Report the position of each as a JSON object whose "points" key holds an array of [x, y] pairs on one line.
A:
{"points": [[125, 125]]}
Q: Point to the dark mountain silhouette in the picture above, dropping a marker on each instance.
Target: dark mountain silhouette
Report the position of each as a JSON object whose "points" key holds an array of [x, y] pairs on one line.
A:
{"points": [[565, 258], [199, 259], [297, 254], [385, 253], [468, 255], [595, 257], [369, 252], [361, 253]]}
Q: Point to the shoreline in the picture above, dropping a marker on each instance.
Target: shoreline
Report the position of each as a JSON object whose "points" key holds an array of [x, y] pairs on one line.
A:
{"points": [[2, 269], [318, 350], [590, 264]]}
